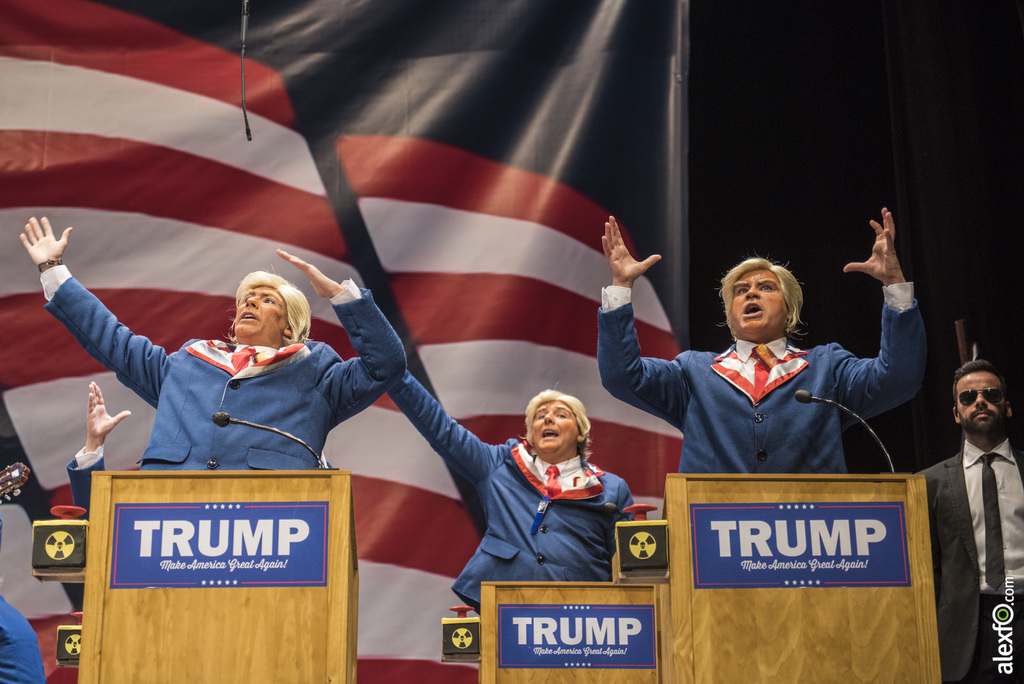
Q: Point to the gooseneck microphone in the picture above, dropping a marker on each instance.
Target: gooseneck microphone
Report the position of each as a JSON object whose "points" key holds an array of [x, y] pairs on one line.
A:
{"points": [[222, 419], [805, 397], [614, 511]]}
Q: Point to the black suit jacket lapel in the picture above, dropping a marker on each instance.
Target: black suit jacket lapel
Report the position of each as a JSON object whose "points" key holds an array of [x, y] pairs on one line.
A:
{"points": [[962, 506]]}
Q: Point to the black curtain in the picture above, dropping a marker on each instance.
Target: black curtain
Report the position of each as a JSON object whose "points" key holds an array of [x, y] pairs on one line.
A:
{"points": [[805, 119], [956, 82]]}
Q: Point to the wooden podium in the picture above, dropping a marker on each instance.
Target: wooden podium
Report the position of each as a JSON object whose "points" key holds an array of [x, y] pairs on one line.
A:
{"points": [[493, 594], [272, 634], [807, 634], [801, 633]]}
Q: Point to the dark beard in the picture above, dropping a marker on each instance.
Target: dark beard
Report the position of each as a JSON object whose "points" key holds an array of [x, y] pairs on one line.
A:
{"points": [[996, 427]]}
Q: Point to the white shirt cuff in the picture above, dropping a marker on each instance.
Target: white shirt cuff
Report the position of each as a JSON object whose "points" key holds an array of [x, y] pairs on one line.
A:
{"points": [[349, 292], [84, 460], [52, 278], [614, 296], [899, 296]]}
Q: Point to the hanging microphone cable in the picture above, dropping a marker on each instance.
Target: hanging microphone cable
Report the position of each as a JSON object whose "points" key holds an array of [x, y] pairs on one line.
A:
{"points": [[245, 26]]}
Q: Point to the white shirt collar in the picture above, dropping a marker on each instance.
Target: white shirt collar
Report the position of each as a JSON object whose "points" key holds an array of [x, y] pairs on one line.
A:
{"points": [[573, 466], [973, 453], [744, 348], [260, 348]]}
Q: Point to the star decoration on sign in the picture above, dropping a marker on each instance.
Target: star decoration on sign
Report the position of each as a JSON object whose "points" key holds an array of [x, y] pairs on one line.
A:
{"points": [[807, 583]]}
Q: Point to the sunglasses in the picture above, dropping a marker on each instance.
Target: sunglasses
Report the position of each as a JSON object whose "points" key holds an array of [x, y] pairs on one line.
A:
{"points": [[992, 395]]}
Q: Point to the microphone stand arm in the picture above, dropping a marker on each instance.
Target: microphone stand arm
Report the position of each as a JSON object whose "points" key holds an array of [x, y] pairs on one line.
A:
{"points": [[319, 457], [865, 424]]}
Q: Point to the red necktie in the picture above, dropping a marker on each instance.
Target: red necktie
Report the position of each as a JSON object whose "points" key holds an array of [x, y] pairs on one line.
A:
{"points": [[240, 358], [765, 362], [552, 486]]}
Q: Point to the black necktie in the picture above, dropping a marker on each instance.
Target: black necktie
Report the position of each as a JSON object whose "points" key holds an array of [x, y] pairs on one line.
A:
{"points": [[995, 573]]}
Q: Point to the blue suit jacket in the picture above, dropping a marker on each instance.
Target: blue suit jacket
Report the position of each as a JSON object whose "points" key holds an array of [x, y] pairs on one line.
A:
{"points": [[724, 431], [20, 659], [576, 541], [306, 398]]}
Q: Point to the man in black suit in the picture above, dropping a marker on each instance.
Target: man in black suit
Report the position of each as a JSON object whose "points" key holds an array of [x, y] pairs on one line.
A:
{"points": [[976, 510]]}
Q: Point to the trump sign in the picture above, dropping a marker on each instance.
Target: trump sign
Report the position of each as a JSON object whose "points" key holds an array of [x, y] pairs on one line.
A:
{"points": [[576, 636], [218, 544], [801, 544]]}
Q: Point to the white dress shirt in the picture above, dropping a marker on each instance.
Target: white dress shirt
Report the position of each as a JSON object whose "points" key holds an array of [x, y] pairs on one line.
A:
{"points": [[570, 473], [1011, 508]]}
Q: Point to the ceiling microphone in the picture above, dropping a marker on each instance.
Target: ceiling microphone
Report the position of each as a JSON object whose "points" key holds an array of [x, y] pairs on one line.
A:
{"points": [[245, 26], [805, 397], [222, 419]]}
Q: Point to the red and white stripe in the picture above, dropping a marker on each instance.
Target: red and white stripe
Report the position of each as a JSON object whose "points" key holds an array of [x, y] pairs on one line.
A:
{"points": [[132, 133], [498, 274]]}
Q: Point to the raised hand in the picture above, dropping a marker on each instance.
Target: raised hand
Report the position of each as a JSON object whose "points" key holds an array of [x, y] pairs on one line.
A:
{"points": [[322, 285], [40, 243], [625, 269], [99, 423], [882, 264]]}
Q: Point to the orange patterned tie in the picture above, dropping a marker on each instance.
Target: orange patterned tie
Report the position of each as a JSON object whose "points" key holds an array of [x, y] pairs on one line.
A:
{"points": [[765, 356], [765, 362]]}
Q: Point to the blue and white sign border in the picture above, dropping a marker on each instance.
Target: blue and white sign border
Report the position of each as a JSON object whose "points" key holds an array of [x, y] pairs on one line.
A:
{"points": [[309, 568], [891, 570], [514, 655]]}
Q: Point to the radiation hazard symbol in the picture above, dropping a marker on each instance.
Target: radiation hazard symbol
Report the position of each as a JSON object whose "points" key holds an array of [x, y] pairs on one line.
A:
{"points": [[59, 545], [73, 644], [462, 638], [642, 545]]}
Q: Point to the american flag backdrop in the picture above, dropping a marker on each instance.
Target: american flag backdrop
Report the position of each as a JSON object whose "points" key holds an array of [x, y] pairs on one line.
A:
{"points": [[458, 158]]}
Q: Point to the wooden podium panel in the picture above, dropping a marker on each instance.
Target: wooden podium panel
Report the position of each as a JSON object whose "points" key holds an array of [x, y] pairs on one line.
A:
{"points": [[493, 594], [276, 635], [836, 634]]}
